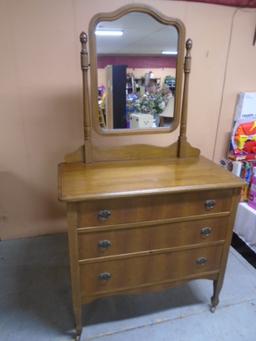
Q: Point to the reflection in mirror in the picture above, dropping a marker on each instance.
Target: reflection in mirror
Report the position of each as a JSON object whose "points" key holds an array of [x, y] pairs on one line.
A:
{"points": [[136, 67]]}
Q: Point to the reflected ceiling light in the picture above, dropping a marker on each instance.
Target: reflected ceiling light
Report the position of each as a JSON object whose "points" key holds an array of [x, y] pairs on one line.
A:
{"points": [[109, 33], [170, 52]]}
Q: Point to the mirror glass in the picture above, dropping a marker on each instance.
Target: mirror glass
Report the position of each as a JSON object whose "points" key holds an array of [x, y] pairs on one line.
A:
{"points": [[136, 70]]}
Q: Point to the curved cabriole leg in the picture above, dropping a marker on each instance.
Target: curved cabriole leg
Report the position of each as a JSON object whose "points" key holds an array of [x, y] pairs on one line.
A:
{"points": [[217, 284]]}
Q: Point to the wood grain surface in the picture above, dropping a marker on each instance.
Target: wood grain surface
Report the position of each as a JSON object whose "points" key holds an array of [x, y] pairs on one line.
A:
{"points": [[154, 207], [129, 240], [80, 181], [132, 272]]}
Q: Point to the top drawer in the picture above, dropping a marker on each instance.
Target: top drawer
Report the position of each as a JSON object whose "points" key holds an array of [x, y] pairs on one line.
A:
{"points": [[152, 207]]}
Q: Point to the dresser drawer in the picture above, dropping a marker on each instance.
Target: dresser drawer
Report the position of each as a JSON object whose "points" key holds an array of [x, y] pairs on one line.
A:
{"points": [[122, 241], [153, 207], [131, 272]]}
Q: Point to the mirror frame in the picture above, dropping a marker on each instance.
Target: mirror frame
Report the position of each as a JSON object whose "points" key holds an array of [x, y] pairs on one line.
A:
{"points": [[110, 16]]}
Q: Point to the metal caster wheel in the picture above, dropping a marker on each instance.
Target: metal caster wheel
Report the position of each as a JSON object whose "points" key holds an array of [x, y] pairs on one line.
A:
{"points": [[212, 308], [77, 336]]}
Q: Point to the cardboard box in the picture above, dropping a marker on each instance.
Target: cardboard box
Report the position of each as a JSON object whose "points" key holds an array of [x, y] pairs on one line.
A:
{"points": [[246, 107]]}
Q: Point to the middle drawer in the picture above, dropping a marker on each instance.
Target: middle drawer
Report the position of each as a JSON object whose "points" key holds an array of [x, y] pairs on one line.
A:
{"points": [[117, 241]]}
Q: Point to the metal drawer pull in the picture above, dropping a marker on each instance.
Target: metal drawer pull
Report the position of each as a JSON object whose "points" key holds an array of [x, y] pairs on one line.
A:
{"points": [[201, 261], [104, 244], [209, 204], [206, 231], [104, 215], [105, 276]]}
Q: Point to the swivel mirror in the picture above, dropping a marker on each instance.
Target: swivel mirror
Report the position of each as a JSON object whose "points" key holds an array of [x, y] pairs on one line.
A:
{"points": [[136, 64]]}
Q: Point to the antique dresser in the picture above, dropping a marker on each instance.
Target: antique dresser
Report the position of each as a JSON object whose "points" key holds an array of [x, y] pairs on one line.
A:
{"points": [[142, 217]]}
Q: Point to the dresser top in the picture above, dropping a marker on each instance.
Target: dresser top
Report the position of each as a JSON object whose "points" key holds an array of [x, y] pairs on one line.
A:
{"points": [[80, 181]]}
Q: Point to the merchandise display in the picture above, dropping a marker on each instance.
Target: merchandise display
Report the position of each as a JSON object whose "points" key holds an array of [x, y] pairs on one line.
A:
{"points": [[242, 162], [144, 96], [242, 150], [243, 139], [252, 192]]}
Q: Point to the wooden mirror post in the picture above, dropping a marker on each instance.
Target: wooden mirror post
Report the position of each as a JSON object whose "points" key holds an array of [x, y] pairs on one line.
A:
{"points": [[184, 148], [86, 106]]}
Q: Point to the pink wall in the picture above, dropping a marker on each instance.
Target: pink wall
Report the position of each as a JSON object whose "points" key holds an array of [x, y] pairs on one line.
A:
{"points": [[137, 61], [41, 103]]}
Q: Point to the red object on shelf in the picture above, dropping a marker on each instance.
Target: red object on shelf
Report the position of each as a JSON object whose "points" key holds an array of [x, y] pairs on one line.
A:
{"points": [[250, 147], [235, 3]]}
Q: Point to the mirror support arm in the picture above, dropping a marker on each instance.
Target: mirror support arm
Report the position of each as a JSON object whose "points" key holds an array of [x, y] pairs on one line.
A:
{"points": [[86, 107], [184, 148], [184, 114], [187, 68]]}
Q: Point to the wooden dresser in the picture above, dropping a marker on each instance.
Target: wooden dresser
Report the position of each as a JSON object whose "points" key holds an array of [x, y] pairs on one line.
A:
{"points": [[143, 217], [141, 226]]}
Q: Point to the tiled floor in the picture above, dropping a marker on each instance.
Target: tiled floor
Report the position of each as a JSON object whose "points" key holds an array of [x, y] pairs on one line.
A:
{"points": [[35, 302]]}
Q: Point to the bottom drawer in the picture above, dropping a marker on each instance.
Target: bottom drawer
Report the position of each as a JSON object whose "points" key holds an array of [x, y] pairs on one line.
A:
{"points": [[111, 275]]}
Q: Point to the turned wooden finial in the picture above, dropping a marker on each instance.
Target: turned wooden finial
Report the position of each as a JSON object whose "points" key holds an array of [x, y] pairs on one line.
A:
{"points": [[84, 53], [187, 64], [189, 45], [83, 38]]}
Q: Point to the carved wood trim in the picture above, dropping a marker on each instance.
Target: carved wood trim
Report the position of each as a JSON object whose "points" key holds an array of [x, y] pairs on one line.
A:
{"points": [[134, 152], [76, 156]]}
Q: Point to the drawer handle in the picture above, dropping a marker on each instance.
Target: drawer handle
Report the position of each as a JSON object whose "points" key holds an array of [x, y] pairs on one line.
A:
{"points": [[105, 276], [206, 231], [209, 204], [201, 261], [104, 215], [104, 244]]}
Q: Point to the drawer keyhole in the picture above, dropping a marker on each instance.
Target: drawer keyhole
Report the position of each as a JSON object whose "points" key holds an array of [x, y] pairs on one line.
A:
{"points": [[209, 204], [104, 244], [104, 215], [206, 231]]}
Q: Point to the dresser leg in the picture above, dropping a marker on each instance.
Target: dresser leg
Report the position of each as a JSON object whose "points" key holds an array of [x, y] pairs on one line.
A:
{"points": [[217, 285], [74, 267], [78, 335], [78, 321]]}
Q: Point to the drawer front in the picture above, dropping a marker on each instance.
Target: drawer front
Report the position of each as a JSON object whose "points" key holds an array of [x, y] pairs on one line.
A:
{"points": [[123, 241], [153, 207], [132, 272]]}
